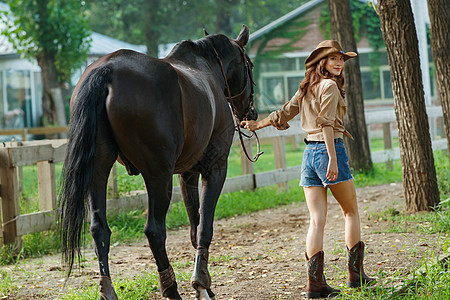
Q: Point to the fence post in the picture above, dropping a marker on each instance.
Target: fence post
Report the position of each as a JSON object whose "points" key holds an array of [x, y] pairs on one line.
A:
{"points": [[247, 166], [433, 128], [280, 159], [442, 129], [388, 143], [10, 199], [46, 185], [19, 169], [112, 182], [295, 142]]}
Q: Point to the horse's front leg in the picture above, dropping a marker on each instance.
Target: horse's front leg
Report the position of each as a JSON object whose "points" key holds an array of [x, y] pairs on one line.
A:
{"points": [[212, 183], [159, 194]]}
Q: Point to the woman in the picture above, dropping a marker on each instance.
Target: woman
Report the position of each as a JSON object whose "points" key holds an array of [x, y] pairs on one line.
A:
{"points": [[320, 103]]}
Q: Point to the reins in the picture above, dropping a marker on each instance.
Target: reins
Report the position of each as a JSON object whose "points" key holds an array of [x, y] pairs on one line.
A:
{"points": [[233, 110]]}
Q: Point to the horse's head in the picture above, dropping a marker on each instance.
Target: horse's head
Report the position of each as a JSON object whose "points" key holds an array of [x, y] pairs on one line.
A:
{"points": [[237, 69]]}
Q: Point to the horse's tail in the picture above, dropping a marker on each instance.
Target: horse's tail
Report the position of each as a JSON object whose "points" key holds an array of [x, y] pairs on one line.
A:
{"points": [[78, 170]]}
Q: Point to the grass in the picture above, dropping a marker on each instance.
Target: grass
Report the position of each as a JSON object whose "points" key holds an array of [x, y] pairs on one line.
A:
{"points": [[140, 287], [7, 286], [431, 280]]}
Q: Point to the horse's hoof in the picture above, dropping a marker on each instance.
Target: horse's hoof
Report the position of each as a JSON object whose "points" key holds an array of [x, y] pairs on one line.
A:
{"points": [[204, 294], [106, 289]]}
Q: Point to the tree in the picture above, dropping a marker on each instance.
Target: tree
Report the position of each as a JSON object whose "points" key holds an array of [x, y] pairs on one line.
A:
{"points": [[418, 170], [439, 11], [223, 15], [55, 33], [168, 21], [342, 31]]}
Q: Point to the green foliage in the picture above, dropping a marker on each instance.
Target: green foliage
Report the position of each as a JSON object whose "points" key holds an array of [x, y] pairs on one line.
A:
{"points": [[56, 28], [176, 20]]}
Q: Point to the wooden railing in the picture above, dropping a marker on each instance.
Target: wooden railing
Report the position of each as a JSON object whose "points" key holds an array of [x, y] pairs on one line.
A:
{"points": [[44, 154], [24, 132]]}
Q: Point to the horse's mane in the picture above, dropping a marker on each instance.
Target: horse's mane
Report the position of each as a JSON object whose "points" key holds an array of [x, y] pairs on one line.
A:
{"points": [[202, 47]]}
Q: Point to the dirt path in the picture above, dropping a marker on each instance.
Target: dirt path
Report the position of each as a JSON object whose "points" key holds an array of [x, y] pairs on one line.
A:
{"points": [[259, 256]]}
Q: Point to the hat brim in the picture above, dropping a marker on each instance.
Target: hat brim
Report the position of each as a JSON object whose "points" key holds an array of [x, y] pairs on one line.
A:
{"points": [[317, 54]]}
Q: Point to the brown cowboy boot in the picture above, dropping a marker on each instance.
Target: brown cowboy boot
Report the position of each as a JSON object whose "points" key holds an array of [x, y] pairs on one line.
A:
{"points": [[356, 275], [317, 286]]}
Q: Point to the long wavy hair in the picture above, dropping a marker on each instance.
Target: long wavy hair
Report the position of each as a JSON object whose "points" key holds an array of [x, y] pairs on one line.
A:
{"points": [[315, 74]]}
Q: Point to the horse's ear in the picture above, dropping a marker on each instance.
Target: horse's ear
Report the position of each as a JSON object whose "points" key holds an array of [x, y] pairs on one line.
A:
{"points": [[204, 32], [242, 38]]}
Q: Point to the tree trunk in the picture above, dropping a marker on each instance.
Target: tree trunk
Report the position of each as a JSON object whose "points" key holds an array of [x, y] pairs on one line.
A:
{"points": [[52, 97], [223, 16], [439, 11], [418, 170], [355, 121], [151, 32]]}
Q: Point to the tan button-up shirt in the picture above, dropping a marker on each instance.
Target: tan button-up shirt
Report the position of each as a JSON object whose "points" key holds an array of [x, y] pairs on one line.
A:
{"points": [[327, 108]]}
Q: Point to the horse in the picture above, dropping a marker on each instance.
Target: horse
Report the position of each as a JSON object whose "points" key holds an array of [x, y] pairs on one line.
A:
{"points": [[158, 117]]}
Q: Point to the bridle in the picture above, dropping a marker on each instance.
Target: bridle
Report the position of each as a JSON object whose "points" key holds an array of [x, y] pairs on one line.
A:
{"points": [[248, 78]]}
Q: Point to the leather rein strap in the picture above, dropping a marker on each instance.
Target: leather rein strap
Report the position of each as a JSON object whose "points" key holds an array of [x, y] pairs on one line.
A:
{"points": [[236, 118]]}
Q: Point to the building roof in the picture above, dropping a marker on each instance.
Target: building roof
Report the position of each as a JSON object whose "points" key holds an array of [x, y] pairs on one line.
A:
{"points": [[102, 44], [287, 17]]}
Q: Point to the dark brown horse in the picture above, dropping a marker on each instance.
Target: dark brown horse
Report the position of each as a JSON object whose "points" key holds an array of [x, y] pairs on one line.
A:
{"points": [[159, 117]]}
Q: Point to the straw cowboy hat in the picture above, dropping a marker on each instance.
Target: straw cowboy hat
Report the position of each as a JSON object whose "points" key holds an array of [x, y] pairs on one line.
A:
{"points": [[324, 49]]}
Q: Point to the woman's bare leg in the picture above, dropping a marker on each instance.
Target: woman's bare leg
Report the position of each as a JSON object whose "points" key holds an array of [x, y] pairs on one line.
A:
{"points": [[316, 199], [345, 194]]}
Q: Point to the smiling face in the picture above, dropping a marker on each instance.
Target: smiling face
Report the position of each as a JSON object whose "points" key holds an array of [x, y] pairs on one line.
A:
{"points": [[335, 64]]}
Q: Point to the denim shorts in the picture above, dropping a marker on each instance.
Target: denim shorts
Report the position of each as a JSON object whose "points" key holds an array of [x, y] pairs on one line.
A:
{"points": [[315, 164]]}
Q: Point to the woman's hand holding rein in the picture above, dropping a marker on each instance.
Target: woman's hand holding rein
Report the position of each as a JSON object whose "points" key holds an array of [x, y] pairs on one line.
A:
{"points": [[255, 125]]}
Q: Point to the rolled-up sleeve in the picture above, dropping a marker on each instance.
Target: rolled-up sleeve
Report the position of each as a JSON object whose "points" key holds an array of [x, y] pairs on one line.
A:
{"points": [[280, 118], [329, 100]]}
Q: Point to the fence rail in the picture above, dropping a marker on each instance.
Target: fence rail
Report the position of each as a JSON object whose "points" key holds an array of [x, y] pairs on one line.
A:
{"points": [[24, 132], [44, 154]]}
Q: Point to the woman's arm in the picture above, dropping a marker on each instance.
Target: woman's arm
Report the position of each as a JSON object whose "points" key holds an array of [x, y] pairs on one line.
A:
{"points": [[332, 171], [255, 125]]}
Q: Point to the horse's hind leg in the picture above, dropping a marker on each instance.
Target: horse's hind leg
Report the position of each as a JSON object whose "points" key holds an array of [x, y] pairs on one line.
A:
{"points": [[105, 157], [159, 194], [189, 189]]}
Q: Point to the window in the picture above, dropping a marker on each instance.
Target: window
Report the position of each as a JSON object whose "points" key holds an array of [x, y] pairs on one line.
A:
{"points": [[387, 85], [18, 105], [2, 107], [293, 83], [37, 78], [363, 59], [279, 64], [272, 93], [371, 89]]}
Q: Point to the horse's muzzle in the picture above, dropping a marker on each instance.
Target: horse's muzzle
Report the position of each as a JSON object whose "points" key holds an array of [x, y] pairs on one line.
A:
{"points": [[252, 114]]}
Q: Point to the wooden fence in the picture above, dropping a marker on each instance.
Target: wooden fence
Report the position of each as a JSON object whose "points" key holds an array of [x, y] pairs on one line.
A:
{"points": [[45, 153], [24, 132]]}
